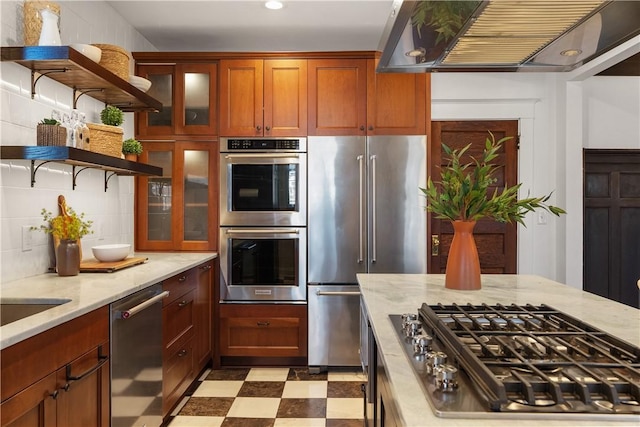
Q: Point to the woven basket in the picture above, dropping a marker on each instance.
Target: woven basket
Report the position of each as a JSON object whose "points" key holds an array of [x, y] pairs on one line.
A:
{"points": [[115, 59], [105, 139], [51, 135], [33, 21]]}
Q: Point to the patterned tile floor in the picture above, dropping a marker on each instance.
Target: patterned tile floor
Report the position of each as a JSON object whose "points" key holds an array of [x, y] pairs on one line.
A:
{"points": [[273, 397]]}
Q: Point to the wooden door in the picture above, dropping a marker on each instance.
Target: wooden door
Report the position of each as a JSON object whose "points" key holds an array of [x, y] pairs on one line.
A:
{"points": [[285, 97], [161, 123], [202, 313], [396, 102], [337, 97], [196, 103], [496, 242], [241, 95], [612, 224]]}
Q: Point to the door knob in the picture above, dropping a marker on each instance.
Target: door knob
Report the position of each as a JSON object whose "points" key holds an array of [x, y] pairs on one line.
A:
{"points": [[435, 245]]}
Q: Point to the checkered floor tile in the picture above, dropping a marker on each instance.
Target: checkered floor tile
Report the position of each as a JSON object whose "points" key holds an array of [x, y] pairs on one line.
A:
{"points": [[273, 397]]}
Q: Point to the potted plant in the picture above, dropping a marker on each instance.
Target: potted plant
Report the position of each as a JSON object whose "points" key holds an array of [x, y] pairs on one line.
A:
{"points": [[462, 196], [67, 229], [131, 148], [49, 132], [106, 138]]}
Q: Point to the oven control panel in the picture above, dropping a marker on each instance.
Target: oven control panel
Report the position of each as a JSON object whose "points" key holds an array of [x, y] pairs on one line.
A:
{"points": [[263, 144]]}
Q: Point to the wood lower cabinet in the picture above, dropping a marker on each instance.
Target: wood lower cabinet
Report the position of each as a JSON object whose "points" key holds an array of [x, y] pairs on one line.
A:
{"points": [[186, 331], [59, 377], [262, 331]]}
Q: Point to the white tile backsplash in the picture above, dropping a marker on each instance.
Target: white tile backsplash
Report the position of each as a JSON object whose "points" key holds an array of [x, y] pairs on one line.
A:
{"points": [[20, 204]]}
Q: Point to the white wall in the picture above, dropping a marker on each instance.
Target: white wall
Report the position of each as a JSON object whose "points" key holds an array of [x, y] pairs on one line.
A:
{"points": [[20, 205]]}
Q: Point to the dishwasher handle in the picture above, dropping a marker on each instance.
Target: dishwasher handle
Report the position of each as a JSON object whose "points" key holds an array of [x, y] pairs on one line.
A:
{"points": [[338, 293], [125, 314]]}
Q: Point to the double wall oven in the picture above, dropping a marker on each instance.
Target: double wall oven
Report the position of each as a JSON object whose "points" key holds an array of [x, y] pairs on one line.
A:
{"points": [[263, 219]]}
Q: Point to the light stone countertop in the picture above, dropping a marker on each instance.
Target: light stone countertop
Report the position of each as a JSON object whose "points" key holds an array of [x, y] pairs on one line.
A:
{"points": [[385, 294], [89, 291]]}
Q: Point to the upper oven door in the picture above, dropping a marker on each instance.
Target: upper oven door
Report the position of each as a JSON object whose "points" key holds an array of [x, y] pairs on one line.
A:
{"points": [[263, 188]]}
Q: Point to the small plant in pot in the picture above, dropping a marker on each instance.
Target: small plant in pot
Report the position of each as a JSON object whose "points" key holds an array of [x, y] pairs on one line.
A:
{"points": [[49, 132], [131, 149], [112, 116], [67, 229], [463, 196]]}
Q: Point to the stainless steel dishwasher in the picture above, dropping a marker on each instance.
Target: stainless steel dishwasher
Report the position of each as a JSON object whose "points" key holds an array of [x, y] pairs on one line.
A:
{"points": [[136, 359]]}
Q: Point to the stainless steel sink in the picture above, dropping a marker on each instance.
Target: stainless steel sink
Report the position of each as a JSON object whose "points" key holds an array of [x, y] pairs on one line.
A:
{"points": [[12, 309]]}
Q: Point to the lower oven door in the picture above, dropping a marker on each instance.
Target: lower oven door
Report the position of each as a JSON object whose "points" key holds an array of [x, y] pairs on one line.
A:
{"points": [[263, 264]]}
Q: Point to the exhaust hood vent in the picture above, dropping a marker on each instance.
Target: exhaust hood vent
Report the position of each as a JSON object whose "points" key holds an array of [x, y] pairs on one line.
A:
{"points": [[503, 35]]}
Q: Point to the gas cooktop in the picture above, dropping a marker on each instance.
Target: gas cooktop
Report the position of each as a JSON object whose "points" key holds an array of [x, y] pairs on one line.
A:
{"points": [[519, 361]]}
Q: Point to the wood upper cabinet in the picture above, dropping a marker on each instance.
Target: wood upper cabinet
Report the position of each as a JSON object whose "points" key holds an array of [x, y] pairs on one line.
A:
{"points": [[348, 97], [59, 377], [337, 97], [396, 102], [263, 97], [188, 93], [179, 210]]}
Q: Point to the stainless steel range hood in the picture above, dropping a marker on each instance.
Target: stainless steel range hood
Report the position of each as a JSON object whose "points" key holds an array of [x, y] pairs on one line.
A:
{"points": [[503, 35]]}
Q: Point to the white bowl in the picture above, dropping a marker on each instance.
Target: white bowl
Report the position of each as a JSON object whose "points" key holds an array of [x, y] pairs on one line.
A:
{"points": [[92, 52], [140, 82], [110, 253]]}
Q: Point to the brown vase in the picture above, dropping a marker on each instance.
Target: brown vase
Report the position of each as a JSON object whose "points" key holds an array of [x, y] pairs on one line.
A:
{"points": [[463, 264], [68, 258]]}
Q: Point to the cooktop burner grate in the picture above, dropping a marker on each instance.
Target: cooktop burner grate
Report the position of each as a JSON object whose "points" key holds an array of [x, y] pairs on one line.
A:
{"points": [[538, 359]]}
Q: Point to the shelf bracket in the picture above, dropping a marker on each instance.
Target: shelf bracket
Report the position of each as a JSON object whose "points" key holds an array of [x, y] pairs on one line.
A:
{"points": [[75, 174], [107, 177], [37, 74], [34, 169], [77, 93]]}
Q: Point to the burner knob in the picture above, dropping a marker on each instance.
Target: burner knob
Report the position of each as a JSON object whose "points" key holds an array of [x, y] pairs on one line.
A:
{"points": [[422, 343], [413, 328], [446, 377], [407, 317], [434, 359]]}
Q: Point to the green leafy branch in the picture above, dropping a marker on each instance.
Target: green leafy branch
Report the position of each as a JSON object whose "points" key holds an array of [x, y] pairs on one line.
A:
{"points": [[463, 190]]}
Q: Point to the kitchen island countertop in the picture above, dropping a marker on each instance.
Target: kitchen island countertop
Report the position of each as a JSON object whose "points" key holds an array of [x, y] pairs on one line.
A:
{"points": [[385, 294], [89, 291]]}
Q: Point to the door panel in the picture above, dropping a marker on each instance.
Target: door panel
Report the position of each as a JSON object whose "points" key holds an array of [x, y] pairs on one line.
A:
{"points": [[496, 242], [612, 224]]}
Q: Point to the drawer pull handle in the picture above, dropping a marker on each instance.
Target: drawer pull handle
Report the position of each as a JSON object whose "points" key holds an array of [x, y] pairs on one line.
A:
{"points": [[102, 359], [263, 323], [206, 267], [182, 279], [182, 303], [182, 353], [54, 395]]}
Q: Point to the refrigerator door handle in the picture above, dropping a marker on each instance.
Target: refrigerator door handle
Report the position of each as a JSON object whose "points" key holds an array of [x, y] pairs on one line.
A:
{"points": [[361, 213], [374, 252]]}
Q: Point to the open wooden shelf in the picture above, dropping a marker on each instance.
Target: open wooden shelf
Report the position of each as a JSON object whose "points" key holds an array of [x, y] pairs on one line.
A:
{"points": [[69, 67], [77, 158]]}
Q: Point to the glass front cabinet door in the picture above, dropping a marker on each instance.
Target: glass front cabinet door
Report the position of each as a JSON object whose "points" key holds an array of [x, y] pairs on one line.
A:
{"points": [[188, 95], [178, 211]]}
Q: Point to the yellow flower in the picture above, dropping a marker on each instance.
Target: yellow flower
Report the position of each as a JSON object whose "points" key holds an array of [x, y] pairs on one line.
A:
{"points": [[70, 227]]}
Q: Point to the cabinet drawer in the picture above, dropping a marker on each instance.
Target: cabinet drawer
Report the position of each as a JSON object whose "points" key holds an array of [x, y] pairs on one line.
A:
{"points": [[177, 318], [177, 372], [263, 330], [178, 285]]}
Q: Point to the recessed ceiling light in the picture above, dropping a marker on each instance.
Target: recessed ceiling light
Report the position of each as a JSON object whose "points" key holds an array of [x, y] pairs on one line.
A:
{"points": [[273, 5], [571, 52]]}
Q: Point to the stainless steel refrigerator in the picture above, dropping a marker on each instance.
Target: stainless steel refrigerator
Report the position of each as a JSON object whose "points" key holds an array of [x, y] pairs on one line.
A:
{"points": [[365, 214]]}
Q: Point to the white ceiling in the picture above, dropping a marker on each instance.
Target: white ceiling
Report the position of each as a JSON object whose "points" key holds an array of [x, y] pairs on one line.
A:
{"points": [[239, 25]]}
